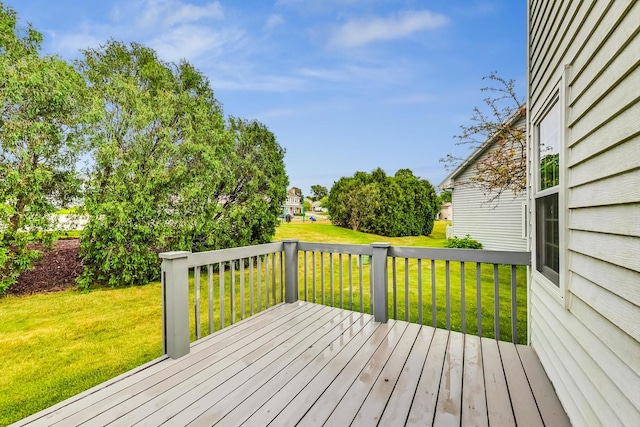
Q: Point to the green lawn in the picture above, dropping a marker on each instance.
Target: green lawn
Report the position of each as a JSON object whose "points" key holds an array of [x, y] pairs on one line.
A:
{"points": [[56, 345]]}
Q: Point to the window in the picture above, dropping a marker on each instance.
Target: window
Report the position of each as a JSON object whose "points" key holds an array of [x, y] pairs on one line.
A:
{"points": [[547, 203]]}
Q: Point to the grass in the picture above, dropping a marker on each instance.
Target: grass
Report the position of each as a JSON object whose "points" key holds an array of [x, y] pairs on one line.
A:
{"points": [[56, 345]]}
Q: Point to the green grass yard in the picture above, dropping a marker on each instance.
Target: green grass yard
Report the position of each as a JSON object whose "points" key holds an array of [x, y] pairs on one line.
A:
{"points": [[56, 345]]}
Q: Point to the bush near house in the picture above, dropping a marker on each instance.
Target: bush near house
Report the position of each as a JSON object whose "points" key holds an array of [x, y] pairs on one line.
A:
{"points": [[463, 243]]}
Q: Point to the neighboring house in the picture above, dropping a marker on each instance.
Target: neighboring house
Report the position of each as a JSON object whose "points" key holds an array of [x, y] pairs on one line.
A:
{"points": [[584, 201], [498, 224], [317, 208], [293, 204], [446, 212]]}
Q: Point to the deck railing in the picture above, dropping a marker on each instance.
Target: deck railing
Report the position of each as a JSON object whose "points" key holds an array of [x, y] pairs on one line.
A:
{"points": [[423, 285]]}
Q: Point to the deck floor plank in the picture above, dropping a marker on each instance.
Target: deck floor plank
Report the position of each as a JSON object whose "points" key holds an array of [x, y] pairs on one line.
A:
{"points": [[524, 407], [209, 407], [307, 364], [375, 403], [160, 389], [474, 402], [498, 399], [163, 405], [449, 404], [306, 386], [423, 407], [108, 392], [349, 400], [552, 412], [400, 401], [316, 402]]}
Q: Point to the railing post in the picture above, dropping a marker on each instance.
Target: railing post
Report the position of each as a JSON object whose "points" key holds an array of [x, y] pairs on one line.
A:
{"points": [[380, 279], [291, 269], [175, 303]]}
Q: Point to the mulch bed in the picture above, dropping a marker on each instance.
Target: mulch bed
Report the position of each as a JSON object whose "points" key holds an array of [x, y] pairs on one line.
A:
{"points": [[56, 271]]}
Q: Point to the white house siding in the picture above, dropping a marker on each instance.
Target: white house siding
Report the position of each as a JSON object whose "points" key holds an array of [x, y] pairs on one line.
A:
{"points": [[587, 337], [497, 227]]}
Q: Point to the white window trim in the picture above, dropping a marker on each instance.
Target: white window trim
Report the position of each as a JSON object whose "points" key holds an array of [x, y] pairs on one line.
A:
{"points": [[558, 95]]}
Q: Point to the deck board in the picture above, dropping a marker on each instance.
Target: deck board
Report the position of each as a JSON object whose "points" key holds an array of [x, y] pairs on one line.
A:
{"points": [[497, 393], [289, 361], [524, 408], [402, 396], [547, 402], [423, 407], [474, 401], [313, 365]]}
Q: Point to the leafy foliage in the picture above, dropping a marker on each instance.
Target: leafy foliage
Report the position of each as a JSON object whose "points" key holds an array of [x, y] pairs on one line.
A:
{"points": [[463, 243], [41, 109], [169, 172], [503, 168], [444, 197], [318, 192], [399, 205]]}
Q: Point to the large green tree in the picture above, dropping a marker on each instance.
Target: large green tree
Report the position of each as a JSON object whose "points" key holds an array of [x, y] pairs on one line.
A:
{"points": [[170, 173], [318, 192], [399, 205], [42, 101]]}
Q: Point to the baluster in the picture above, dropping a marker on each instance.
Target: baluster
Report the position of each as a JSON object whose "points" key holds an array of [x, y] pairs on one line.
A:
{"points": [[479, 298], [241, 288], [259, 281], [313, 274], [273, 278], [232, 300], [251, 302], [420, 291], [514, 329], [433, 293], [221, 293], [448, 292], [496, 302], [360, 283], [196, 297], [406, 289], [331, 277], [341, 282], [395, 288], [322, 276], [210, 296], [350, 282], [462, 299]]}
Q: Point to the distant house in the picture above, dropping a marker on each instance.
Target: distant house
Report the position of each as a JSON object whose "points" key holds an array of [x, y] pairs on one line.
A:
{"points": [[293, 204], [498, 225], [584, 204], [317, 208], [446, 212]]}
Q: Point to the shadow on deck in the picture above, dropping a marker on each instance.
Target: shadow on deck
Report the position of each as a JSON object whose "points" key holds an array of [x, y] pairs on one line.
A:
{"points": [[308, 364]]}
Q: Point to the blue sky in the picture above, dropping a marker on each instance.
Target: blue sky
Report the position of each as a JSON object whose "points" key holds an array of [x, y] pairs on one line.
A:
{"points": [[345, 85]]}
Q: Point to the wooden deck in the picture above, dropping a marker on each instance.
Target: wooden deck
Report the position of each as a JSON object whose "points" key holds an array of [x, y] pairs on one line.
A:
{"points": [[308, 364]]}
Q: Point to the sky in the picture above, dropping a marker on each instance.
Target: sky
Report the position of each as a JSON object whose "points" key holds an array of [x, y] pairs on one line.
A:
{"points": [[345, 85]]}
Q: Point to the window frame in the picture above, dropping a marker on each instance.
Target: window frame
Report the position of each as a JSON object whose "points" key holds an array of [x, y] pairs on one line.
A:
{"points": [[557, 97]]}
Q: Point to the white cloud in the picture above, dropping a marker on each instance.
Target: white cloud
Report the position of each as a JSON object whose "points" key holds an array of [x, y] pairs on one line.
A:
{"points": [[175, 12], [276, 113], [383, 74], [359, 32], [192, 41], [260, 83], [274, 21], [415, 98], [70, 44]]}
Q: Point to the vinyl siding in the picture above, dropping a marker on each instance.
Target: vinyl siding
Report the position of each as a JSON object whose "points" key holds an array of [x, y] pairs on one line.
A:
{"points": [[588, 337], [497, 226]]}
